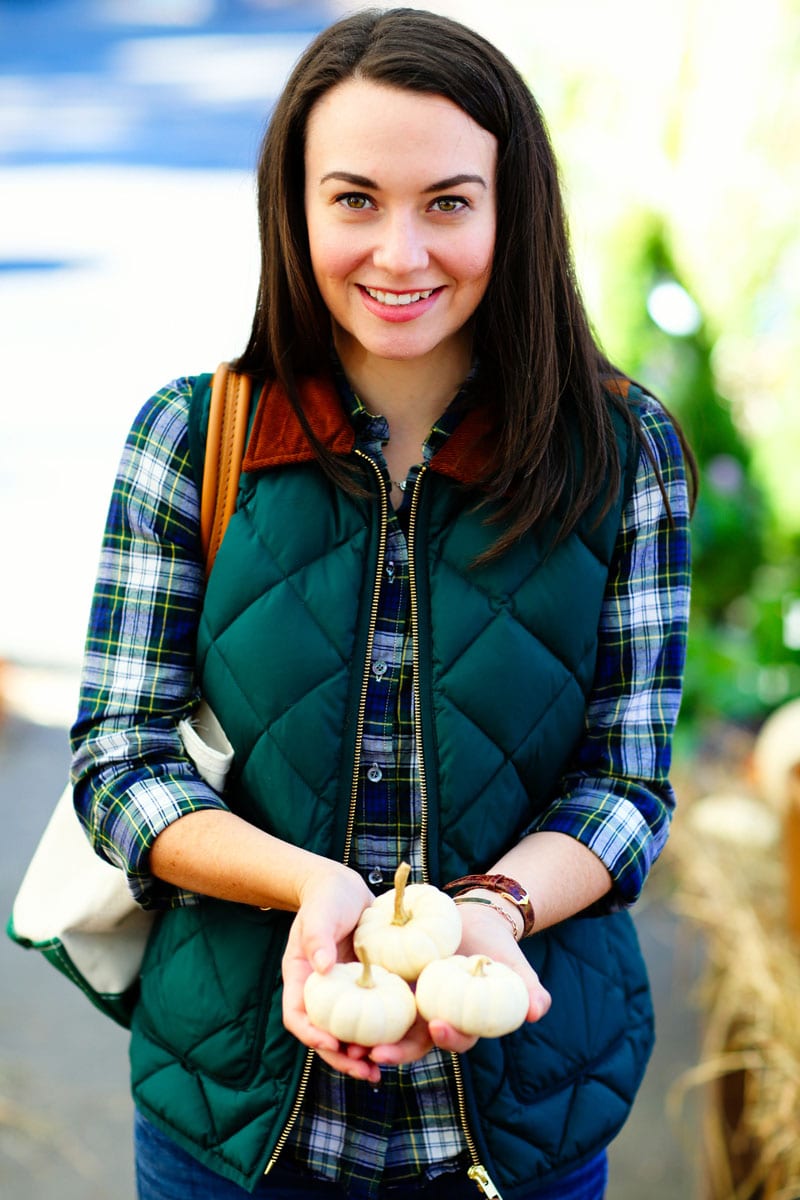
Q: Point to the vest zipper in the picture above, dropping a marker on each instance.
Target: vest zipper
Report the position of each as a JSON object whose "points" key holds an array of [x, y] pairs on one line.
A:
{"points": [[477, 1172], [351, 817], [373, 620], [299, 1098], [412, 590]]}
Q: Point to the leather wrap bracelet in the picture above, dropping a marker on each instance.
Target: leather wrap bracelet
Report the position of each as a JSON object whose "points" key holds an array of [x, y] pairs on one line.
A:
{"points": [[504, 886]]}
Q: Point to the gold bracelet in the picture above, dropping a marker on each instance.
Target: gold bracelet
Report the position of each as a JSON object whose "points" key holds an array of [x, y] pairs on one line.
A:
{"points": [[491, 904], [508, 888]]}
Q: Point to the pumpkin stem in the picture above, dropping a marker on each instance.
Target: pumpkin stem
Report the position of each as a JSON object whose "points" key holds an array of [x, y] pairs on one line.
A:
{"points": [[401, 917], [481, 961], [366, 978]]}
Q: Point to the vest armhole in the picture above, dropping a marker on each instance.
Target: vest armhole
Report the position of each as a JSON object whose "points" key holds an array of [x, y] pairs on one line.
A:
{"points": [[634, 448], [630, 443], [199, 405]]}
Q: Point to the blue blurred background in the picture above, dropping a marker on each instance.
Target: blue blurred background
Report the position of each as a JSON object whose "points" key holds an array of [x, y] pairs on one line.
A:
{"points": [[128, 134]]}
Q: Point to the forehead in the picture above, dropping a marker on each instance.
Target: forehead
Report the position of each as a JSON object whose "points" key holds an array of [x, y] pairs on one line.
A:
{"points": [[359, 124]]}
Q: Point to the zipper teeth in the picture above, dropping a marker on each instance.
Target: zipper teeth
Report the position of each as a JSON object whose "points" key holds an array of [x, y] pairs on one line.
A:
{"points": [[462, 1110], [300, 1097], [412, 587], [373, 620]]}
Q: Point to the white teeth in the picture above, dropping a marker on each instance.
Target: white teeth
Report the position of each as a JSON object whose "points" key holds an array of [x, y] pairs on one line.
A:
{"points": [[395, 298]]}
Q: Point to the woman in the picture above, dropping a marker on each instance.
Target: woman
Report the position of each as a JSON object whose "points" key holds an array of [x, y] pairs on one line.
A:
{"points": [[446, 625]]}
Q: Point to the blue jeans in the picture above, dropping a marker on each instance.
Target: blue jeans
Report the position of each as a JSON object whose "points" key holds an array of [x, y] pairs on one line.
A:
{"points": [[166, 1172]]}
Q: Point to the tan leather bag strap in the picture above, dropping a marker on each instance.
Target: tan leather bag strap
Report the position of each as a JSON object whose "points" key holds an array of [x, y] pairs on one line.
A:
{"points": [[227, 429]]}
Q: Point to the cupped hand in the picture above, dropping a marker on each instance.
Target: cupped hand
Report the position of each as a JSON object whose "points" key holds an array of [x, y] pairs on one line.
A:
{"points": [[321, 935], [420, 1040], [484, 932]]}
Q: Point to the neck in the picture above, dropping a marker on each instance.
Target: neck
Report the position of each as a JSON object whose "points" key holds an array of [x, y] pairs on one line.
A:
{"points": [[410, 393]]}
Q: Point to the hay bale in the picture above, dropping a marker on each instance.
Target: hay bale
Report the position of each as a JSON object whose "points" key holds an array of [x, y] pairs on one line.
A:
{"points": [[732, 883]]}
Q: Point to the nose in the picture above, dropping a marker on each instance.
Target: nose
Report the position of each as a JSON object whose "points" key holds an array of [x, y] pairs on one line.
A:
{"points": [[400, 249]]}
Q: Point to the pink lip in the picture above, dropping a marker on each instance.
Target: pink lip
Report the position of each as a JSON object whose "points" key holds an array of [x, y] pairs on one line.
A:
{"points": [[398, 313]]}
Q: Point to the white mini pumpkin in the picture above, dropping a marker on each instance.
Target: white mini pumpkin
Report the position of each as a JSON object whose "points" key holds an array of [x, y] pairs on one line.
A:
{"points": [[360, 1003], [405, 929], [776, 752], [473, 993]]}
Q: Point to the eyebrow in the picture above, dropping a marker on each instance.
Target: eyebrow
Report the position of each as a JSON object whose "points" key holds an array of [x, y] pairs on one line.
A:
{"points": [[440, 186]]}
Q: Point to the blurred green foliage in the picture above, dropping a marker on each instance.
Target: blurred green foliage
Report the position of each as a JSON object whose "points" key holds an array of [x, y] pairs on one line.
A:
{"points": [[677, 126], [744, 649]]}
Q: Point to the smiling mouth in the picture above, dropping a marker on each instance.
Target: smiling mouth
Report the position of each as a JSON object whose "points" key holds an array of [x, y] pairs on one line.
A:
{"points": [[398, 299]]}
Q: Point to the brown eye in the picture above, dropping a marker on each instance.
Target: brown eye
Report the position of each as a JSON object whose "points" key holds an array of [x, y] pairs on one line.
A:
{"points": [[354, 201], [449, 204]]}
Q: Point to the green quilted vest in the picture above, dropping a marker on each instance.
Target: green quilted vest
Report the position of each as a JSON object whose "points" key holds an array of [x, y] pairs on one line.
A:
{"points": [[505, 662]]}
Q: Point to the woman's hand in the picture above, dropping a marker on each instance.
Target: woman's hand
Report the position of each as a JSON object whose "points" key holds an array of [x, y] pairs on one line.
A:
{"points": [[484, 932], [321, 935], [331, 902]]}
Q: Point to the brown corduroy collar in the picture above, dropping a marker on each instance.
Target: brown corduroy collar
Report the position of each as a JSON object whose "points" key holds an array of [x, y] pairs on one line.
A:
{"points": [[278, 439]]}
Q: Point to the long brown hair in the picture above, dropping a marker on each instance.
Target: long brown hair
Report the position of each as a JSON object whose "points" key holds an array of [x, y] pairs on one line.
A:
{"points": [[540, 368]]}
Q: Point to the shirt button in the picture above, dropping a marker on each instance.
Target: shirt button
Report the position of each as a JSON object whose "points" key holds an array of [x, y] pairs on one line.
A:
{"points": [[390, 572], [374, 774], [379, 668], [375, 876]]}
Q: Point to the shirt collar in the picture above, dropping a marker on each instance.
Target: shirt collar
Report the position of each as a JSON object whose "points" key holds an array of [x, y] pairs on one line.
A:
{"points": [[372, 427]]}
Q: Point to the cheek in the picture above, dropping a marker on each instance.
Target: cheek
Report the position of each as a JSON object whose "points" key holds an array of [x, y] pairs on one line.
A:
{"points": [[332, 257], [473, 259], [487, 253]]}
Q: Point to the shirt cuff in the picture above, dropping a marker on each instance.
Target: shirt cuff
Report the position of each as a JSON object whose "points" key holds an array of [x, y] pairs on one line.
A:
{"points": [[129, 814], [609, 818]]}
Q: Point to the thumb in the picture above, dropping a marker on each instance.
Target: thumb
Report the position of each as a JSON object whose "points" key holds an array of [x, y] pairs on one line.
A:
{"points": [[316, 943], [539, 998], [323, 958]]}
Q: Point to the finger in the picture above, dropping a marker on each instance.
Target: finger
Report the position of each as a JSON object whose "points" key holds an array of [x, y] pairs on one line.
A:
{"points": [[296, 1021], [447, 1037], [416, 1044], [356, 1068], [540, 1001], [354, 1051], [316, 947], [326, 920], [295, 1017]]}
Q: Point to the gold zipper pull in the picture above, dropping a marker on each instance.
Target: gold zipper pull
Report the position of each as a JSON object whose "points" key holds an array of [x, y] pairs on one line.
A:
{"points": [[480, 1175]]}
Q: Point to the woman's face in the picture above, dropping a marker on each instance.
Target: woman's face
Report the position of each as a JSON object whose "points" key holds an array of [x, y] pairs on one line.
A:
{"points": [[400, 207]]}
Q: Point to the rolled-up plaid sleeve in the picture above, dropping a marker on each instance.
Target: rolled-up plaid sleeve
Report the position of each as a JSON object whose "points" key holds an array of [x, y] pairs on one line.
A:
{"points": [[131, 775], [616, 798]]}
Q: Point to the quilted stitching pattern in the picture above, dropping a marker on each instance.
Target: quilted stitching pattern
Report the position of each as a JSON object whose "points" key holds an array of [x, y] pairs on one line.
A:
{"points": [[280, 649], [569, 1108], [302, 677], [501, 737]]}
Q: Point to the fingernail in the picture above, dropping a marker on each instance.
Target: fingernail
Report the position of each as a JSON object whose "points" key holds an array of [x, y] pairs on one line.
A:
{"points": [[320, 961]]}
